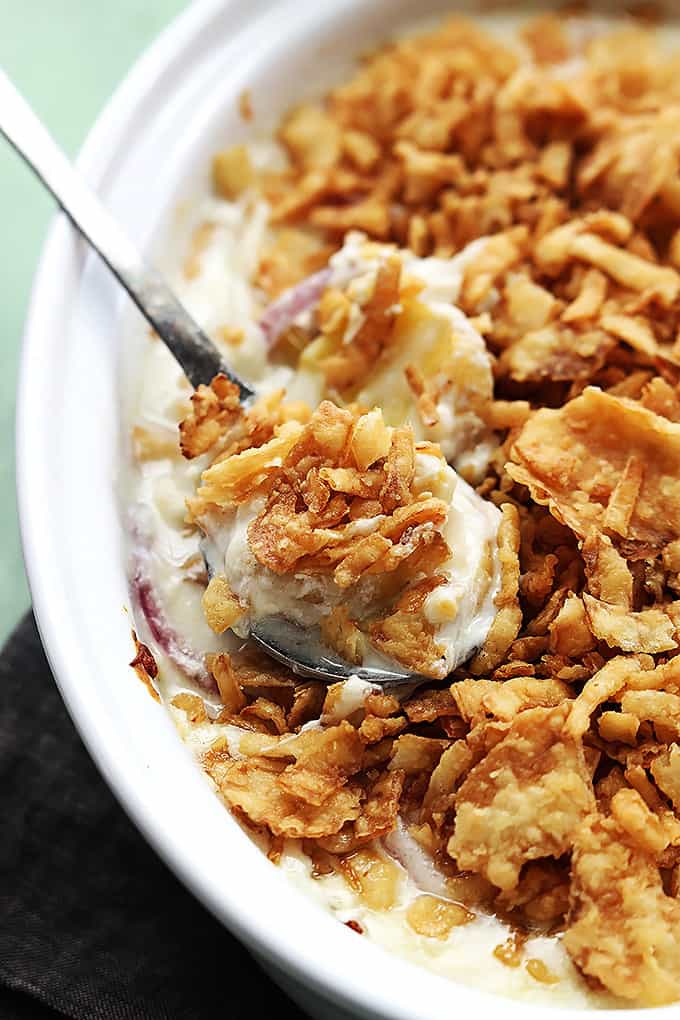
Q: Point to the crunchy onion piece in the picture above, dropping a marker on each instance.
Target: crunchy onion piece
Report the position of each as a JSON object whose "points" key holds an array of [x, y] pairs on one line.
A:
{"points": [[508, 620], [524, 800], [650, 630], [256, 791], [573, 460], [145, 666], [213, 409], [624, 930], [220, 605]]}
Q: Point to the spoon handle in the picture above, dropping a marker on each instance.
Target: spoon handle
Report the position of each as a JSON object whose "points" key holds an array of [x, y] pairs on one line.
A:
{"points": [[197, 355]]}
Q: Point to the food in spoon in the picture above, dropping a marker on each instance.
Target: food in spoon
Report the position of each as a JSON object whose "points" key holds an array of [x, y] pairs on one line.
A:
{"points": [[349, 517]]}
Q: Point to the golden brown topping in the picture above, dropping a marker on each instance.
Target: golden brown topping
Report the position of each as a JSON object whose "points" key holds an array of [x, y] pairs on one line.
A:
{"points": [[648, 631], [145, 666], [547, 39], [435, 142], [232, 172], [343, 635], [641, 825], [255, 789], [523, 801], [508, 619], [213, 409], [627, 269], [624, 928], [232, 696], [221, 607], [236, 477], [601, 687], [435, 918], [323, 761], [624, 496], [311, 476], [495, 258], [570, 632], [373, 876], [659, 707], [192, 706], [603, 461], [609, 578], [311, 137], [407, 636], [399, 469], [371, 439], [555, 352], [308, 700], [503, 699], [541, 895], [430, 704], [412, 753], [618, 727], [540, 971], [666, 772], [348, 360], [378, 814], [589, 299], [662, 398], [529, 306]]}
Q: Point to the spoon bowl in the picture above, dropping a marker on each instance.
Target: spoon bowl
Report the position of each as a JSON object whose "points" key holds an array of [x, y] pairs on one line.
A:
{"points": [[304, 651]]}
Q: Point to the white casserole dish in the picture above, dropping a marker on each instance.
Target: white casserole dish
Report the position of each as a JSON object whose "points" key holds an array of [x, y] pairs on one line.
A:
{"points": [[149, 149]]}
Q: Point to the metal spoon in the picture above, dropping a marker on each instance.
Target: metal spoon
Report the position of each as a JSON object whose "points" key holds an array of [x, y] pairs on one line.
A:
{"points": [[301, 650]]}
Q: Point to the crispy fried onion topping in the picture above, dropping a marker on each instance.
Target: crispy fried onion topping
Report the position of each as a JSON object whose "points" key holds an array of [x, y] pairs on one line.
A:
{"points": [[502, 783], [624, 928], [604, 463], [548, 771], [523, 801], [340, 498]]}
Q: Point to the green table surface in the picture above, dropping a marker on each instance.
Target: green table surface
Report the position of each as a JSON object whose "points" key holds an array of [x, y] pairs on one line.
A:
{"points": [[66, 56]]}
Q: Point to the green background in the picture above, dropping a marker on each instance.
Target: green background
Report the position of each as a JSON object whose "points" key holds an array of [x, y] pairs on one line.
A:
{"points": [[67, 57]]}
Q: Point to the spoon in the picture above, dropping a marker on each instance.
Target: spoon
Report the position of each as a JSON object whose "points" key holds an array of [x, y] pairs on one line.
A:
{"points": [[302, 650]]}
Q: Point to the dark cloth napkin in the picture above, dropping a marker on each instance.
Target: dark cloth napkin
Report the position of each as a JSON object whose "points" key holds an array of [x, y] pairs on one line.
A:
{"points": [[93, 926]]}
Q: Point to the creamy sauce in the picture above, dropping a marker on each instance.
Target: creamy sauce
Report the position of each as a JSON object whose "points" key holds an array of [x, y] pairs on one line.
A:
{"points": [[466, 955]]}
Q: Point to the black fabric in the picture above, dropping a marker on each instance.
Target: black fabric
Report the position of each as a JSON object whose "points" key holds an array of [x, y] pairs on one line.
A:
{"points": [[93, 926]]}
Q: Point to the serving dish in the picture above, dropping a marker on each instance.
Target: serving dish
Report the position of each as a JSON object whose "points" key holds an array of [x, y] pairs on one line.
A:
{"points": [[161, 128]]}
